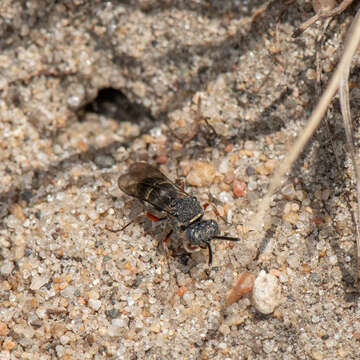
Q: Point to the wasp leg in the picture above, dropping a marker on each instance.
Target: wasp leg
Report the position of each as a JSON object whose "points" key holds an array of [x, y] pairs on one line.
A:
{"points": [[153, 217], [166, 250], [210, 252], [205, 206], [156, 218], [148, 215], [180, 183], [118, 230]]}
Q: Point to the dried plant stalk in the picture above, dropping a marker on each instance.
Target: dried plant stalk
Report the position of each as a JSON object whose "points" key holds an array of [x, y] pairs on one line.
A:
{"points": [[324, 13], [313, 122], [346, 114]]}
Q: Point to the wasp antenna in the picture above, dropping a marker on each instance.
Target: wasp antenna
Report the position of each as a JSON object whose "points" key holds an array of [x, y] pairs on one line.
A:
{"points": [[210, 252], [118, 230], [229, 238]]}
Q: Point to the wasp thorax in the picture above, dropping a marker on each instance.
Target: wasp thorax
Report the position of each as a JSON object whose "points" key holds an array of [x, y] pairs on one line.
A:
{"points": [[187, 210], [202, 231]]}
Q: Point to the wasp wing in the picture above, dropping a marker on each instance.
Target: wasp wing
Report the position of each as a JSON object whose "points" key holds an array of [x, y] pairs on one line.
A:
{"points": [[149, 184]]}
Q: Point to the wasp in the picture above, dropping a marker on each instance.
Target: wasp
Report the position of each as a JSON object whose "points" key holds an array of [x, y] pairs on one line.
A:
{"points": [[184, 211]]}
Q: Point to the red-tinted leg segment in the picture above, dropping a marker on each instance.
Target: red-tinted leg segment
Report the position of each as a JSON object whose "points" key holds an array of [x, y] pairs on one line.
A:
{"points": [[205, 206], [166, 250], [153, 217]]}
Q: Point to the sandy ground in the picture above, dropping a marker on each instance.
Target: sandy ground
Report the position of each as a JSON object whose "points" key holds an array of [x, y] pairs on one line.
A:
{"points": [[88, 88]]}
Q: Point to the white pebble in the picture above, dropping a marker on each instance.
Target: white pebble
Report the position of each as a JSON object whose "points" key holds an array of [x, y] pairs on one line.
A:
{"points": [[6, 268], [120, 322], [225, 197], [252, 185], [5, 355], [266, 294], [94, 304], [64, 339], [37, 282], [68, 291], [93, 215], [188, 297], [224, 165]]}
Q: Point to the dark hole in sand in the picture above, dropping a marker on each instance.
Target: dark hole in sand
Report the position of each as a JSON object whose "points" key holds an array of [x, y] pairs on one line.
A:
{"points": [[113, 103]]}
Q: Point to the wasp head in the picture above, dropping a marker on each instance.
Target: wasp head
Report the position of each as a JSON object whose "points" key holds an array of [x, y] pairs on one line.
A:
{"points": [[202, 231]]}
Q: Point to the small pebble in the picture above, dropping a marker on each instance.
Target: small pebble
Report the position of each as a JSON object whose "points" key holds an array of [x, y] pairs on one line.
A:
{"points": [[37, 282], [229, 178], [120, 322], [250, 145], [291, 217], [325, 195], [289, 191], [201, 174], [225, 197], [155, 327], [229, 148], [239, 188], [243, 286], [224, 329], [64, 339], [305, 268], [6, 268], [252, 185], [3, 329], [300, 195], [333, 259], [317, 355], [93, 294], [224, 165], [18, 211], [4, 243], [182, 290], [161, 159], [270, 165], [104, 161], [250, 171], [8, 345], [266, 295], [315, 277], [318, 194], [311, 74], [94, 304], [262, 170]]}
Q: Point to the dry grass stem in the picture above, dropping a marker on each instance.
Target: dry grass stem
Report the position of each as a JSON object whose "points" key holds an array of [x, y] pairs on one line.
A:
{"points": [[313, 122], [322, 14], [346, 114]]}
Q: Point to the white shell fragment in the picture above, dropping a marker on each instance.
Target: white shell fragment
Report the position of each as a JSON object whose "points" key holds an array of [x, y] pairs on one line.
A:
{"points": [[266, 294], [37, 282]]}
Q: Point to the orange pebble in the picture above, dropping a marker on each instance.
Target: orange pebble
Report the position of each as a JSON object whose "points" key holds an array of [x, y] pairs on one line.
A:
{"points": [[238, 188], [229, 148], [243, 286], [182, 290], [161, 159]]}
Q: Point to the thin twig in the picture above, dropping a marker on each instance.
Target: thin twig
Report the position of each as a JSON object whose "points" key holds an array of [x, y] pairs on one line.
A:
{"points": [[345, 110], [322, 14], [313, 122]]}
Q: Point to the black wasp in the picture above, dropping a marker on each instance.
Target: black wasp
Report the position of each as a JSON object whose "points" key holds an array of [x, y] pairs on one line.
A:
{"points": [[150, 185]]}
